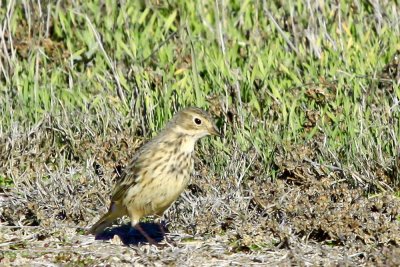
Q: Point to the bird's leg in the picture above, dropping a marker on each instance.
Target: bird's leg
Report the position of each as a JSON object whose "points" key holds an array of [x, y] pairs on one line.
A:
{"points": [[149, 239], [162, 231]]}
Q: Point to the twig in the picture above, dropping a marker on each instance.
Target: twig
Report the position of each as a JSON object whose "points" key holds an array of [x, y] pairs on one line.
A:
{"points": [[110, 64], [159, 46], [279, 28]]}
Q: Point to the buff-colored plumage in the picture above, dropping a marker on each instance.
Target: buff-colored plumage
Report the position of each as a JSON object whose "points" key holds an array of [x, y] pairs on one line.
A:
{"points": [[159, 171]]}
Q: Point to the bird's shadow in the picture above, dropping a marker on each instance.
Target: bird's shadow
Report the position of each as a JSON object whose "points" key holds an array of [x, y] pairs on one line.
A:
{"points": [[131, 236]]}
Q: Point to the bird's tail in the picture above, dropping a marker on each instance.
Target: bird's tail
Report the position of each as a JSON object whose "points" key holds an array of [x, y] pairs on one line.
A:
{"points": [[105, 221]]}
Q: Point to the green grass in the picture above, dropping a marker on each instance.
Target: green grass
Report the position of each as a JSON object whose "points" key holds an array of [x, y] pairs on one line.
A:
{"points": [[5, 181], [142, 61]]}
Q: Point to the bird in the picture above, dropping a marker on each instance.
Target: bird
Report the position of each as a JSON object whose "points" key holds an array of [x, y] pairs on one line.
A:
{"points": [[159, 171]]}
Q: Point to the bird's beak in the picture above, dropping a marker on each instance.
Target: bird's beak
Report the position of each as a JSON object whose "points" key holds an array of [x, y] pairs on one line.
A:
{"points": [[214, 131]]}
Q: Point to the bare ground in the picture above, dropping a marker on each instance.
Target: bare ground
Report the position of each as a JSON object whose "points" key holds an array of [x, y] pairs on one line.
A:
{"points": [[38, 246]]}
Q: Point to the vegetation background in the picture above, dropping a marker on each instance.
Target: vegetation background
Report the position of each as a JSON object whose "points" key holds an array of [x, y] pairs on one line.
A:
{"points": [[305, 92]]}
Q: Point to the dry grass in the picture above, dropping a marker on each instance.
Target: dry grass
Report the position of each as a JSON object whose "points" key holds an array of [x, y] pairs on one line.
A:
{"points": [[309, 214]]}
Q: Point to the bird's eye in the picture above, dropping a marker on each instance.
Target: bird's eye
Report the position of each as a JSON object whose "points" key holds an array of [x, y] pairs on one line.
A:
{"points": [[197, 121]]}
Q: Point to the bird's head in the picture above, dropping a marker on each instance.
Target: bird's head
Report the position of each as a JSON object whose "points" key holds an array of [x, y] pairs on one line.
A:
{"points": [[194, 122]]}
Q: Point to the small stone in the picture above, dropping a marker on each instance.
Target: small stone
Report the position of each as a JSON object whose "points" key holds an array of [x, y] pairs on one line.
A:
{"points": [[116, 240]]}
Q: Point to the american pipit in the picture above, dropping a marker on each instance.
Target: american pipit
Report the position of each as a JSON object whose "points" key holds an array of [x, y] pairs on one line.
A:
{"points": [[159, 171]]}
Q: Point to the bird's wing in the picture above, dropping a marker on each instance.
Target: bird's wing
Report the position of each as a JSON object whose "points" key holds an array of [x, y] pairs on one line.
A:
{"points": [[131, 175], [128, 180]]}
